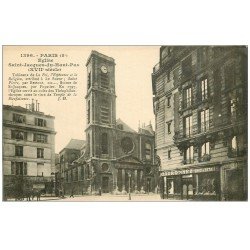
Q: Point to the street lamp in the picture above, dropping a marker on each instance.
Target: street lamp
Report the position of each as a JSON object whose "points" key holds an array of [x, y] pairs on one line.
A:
{"points": [[129, 179]]}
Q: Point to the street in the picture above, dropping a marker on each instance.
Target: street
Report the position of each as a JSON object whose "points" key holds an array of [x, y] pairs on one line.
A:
{"points": [[110, 197]]}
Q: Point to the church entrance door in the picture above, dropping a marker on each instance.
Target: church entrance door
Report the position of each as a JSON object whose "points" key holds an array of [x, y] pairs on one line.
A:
{"points": [[105, 184]]}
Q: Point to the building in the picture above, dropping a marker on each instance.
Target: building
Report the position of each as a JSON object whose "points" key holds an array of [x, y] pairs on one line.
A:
{"points": [[28, 150], [69, 172], [200, 106], [115, 159]]}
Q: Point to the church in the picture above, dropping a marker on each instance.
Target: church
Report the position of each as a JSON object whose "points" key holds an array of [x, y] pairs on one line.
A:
{"points": [[115, 158]]}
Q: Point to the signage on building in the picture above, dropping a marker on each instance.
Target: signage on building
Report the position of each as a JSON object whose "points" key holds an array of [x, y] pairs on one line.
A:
{"points": [[39, 186], [189, 171]]}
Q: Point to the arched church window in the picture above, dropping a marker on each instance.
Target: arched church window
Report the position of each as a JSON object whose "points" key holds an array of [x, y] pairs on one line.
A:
{"points": [[104, 143]]}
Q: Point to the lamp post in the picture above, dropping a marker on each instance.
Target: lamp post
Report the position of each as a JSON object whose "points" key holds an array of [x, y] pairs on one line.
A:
{"points": [[129, 179]]}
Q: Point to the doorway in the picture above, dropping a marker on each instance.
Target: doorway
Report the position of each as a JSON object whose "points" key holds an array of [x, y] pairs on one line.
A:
{"points": [[105, 184]]}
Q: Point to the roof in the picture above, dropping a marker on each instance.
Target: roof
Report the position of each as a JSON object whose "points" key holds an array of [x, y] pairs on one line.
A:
{"points": [[24, 110], [125, 126], [96, 53], [75, 144], [147, 130]]}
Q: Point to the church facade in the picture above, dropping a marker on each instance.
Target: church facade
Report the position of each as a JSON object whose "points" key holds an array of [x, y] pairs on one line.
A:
{"points": [[116, 159]]}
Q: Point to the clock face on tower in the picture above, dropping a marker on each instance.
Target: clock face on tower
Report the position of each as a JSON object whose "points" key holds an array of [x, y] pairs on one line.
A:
{"points": [[104, 69]]}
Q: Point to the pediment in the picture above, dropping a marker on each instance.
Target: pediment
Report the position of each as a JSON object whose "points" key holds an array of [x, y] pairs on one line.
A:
{"points": [[129, 159]]}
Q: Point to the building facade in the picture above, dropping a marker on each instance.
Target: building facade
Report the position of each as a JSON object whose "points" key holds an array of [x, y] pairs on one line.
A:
{"points": [[70, 169], [115, 159], [28, 150], [200, 106]]}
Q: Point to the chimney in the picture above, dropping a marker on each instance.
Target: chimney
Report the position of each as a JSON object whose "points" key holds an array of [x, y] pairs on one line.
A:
{"points": [[32, 105], [36, 105]]}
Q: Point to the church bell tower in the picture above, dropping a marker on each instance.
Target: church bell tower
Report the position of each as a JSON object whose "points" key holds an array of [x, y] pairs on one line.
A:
{"points": [[101, 109]]}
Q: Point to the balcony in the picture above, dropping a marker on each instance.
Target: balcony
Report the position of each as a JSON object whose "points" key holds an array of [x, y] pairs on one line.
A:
{"points": [[156, 67], [233, 152], [205, 158], [188, 161]]}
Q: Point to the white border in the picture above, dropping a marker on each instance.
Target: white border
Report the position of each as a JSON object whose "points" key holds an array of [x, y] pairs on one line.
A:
{"points": [[125, 225]]}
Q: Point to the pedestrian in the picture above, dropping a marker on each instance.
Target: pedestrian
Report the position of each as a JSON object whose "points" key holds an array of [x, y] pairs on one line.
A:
{"points": [[100, 191], [72, 193]]}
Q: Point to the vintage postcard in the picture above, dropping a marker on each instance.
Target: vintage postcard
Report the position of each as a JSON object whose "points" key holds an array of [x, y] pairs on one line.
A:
{"points": [[125, 123]]}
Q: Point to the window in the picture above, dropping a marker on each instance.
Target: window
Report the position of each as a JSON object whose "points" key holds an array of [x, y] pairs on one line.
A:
{"points": [[189, 155], [127, 145], [18, 135], [188, 126], [169, 154], [237, 146], [105, 167], [19, 150], [19, 168], [204, 89], [82, 172], [230, 78], [148, 151], [87, 171], [18, 118], [40, 169], [40, 153], [204, 120], [89, 80], [169, 127], [88, 112], [202, 56], [236, 105], [205, 149], [40, 122], [104, 80], [75, 174], [169, 102], [187, 66], [104, 143], [40, 138], [120, 126], [187, 97], [104, 112]]}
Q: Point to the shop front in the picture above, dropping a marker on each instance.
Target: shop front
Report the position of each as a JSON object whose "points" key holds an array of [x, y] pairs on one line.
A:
{"points": [[200, 183]]}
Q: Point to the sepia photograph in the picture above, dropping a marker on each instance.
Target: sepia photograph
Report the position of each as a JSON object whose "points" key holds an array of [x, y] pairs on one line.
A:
{"points": [[125, 123]]}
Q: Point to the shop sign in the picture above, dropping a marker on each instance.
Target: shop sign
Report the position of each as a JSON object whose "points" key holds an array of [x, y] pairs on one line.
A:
{"points": [[39, 186], [189, 171]]}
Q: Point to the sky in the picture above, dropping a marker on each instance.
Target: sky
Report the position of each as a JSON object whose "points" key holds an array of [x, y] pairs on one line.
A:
{"points": [[134, 65]]}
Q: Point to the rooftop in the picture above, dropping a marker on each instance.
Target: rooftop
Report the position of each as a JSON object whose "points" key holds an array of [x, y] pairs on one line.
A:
{"points": [[75, 144]]}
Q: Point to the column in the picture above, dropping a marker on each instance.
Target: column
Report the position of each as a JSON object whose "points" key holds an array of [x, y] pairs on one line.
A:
{"points": [[123, 180], [135, 179], [181, 188], [165, 184], [197, 183], [115, 176], [142, 181], [132, 181]]}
